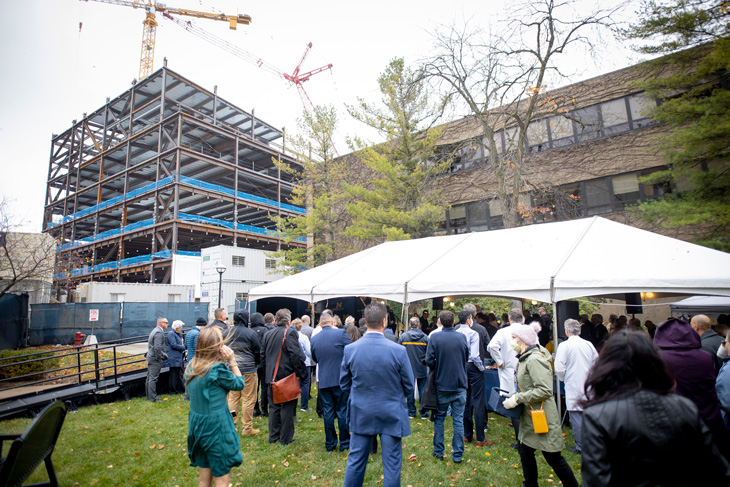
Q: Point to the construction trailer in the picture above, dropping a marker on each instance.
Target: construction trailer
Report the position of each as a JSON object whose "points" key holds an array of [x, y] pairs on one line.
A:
{"points": [[137, 292], [162, 171], [242, 269]]}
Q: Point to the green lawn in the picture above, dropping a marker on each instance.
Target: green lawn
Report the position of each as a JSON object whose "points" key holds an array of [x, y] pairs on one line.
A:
{"points": [[138, 443]]}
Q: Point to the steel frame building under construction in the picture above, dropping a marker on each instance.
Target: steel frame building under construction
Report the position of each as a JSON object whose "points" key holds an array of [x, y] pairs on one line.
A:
{"points": [[164, 169]]}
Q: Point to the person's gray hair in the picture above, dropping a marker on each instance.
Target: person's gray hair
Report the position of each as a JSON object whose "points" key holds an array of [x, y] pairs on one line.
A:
{"points": [[305, 319], [414, 322], [349, 320], [472, 309], [515, 315], [177, 324], [572, 326], [283, 317]]}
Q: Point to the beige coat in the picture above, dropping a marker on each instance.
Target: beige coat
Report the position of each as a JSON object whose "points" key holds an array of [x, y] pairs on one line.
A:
{"points": [[535, 381]]}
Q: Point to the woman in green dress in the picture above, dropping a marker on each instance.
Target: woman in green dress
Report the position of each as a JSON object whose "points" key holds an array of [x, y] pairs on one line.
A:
{"points": [[213, 443], [535, 391]]}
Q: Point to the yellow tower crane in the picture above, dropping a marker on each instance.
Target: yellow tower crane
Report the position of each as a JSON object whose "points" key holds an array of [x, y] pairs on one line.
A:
{"points": [[147, 56]]}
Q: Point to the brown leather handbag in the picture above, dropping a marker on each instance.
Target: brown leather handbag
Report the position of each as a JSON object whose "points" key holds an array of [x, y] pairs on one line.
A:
{"points": [[288, 388]]}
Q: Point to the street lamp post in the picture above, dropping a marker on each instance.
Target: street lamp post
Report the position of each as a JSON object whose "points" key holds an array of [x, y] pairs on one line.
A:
{"points": [[221, 269]]}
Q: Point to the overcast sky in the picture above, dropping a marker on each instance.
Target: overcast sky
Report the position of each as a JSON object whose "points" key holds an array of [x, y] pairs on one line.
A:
{"points": [[53, 70]]}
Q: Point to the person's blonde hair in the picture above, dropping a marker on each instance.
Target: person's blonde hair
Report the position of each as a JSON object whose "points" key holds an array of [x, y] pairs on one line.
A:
{"points": [[207, 353], [297, 323]]}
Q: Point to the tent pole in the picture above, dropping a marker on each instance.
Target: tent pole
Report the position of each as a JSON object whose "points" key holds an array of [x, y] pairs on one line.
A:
{"points": [[555, 349], [404, 308], [311, 302]]}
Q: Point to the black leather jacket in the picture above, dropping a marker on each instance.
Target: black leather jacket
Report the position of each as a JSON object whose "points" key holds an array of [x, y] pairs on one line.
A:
{"points": [[649, 439]]}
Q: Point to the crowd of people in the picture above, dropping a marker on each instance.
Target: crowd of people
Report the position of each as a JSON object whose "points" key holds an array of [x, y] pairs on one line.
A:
{"points": [[644, 403]]}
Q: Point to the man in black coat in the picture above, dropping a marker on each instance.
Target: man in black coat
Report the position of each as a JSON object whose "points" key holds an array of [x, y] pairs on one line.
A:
{"points": [[220, 316], [246, 346], [262, 403], [415, 342], [285, 341]]}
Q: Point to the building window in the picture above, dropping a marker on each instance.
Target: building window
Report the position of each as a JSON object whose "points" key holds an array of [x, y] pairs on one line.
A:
{"points": [[545, 206], [239, 260], [173, 298], [477, 213], [588, 123], [561, 131], [495, 215], [510, 139], [597, 197], [569, 201], [641, 106], [656, 190], [270, 264], [457, 215], [537, 136], [625, 190], [206, 258], [116, 297], [241, 296], [615, 117]]}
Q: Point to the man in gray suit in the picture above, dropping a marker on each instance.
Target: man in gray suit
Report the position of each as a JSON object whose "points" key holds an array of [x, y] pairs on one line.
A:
{"points": [[156, 354]]}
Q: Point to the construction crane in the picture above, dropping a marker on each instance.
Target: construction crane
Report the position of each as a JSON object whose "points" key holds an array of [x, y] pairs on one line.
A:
{"points": [[296, 77], [147, 56]]}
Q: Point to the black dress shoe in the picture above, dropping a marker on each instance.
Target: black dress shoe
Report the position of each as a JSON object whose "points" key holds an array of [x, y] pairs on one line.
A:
{"points": [[437, 457]]}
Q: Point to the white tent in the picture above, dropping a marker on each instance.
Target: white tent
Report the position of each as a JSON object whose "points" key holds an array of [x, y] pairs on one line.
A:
{"points": [[548, 262], [708, 305]]}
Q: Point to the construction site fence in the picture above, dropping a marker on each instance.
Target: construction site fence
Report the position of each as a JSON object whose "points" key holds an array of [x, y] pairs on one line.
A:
{"points": [[58, 323]]}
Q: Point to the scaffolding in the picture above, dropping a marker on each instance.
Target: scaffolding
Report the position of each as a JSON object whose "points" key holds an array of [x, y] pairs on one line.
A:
{"points": [[167, 168]]}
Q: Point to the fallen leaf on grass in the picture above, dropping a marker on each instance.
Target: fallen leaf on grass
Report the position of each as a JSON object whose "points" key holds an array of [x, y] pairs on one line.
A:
{"points": [[314, 477], [285, 463], [160, 447], [136, 454], [110, 466], [153, 446], [412, 457], [487, 454]]}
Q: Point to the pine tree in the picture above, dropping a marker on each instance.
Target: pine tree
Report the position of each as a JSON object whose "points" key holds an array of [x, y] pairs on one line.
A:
{"points": [[318, 189], [401, 200], [696, 105]]}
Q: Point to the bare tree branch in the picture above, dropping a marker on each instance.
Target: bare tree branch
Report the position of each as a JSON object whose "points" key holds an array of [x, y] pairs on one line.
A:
{"points": [[502, 81]]}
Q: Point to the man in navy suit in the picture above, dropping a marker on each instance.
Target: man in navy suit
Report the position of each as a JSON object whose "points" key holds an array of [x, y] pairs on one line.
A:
{"points": [[327, 349], [378, 375]]}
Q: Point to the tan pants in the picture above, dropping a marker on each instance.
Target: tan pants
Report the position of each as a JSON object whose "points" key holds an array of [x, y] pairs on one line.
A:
{"points": [[248, 397]]}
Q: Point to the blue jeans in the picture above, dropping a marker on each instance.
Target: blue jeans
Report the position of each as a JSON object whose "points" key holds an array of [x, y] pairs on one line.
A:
{"points": [[576, 422], [334, 403], [411, 398], [304, 385], [457, 401]]}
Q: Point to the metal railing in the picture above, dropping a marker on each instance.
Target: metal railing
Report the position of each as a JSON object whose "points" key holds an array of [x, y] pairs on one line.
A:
{"points": [[85, 358]]}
